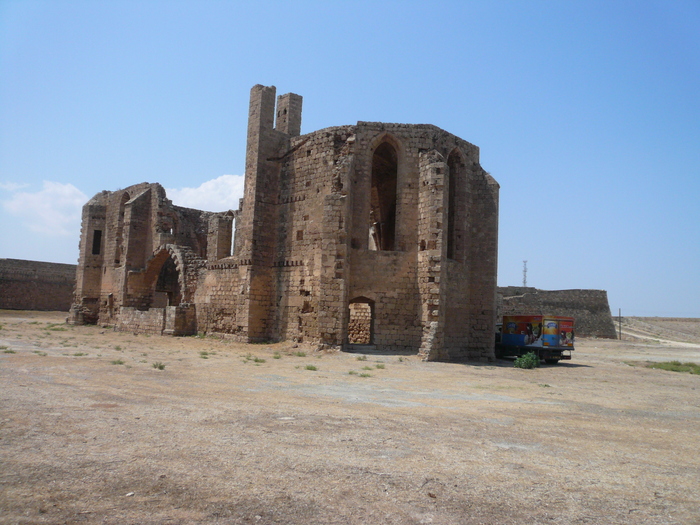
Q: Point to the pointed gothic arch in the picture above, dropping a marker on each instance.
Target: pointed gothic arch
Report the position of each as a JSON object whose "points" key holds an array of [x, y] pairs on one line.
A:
{"points": [[383, 195]]}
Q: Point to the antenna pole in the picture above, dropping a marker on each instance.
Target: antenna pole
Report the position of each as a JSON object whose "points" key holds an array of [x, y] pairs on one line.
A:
{"points": [[524, 274]]}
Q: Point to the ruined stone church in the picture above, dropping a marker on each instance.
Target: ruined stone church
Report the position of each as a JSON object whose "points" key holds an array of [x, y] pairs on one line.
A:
{"points": [[372, 234]]}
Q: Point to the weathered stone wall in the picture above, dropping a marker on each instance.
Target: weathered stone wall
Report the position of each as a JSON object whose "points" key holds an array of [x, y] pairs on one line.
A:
{"points": [[398, 217], [151, 321], [590, 308], [129, 239], [33, 285]]}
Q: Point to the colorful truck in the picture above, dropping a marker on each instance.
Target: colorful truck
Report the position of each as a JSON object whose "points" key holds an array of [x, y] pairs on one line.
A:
{"points": [[550, 337]]}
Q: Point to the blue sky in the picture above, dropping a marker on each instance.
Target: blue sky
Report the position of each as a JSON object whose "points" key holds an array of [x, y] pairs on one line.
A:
{"points": [[586, 112]]}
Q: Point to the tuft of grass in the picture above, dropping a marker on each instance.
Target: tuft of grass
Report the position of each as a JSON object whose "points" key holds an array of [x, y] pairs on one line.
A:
{"points": [[379, 366], [352, 373], [3, 347], [117, 362], [118, 348], [258, 360], [299, 354], [362, 358], [204, 355], [277, 355], [676, 366], [42, 354], [365, 374], [545, 385], [366, 368], [311, 367], [79, 354], [529, 360], [8, 351], [158, 365]]}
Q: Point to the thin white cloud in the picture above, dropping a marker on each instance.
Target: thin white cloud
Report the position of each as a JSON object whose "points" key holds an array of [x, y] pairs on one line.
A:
{"points": [[54, 210], [12, 186], [218, 194]]}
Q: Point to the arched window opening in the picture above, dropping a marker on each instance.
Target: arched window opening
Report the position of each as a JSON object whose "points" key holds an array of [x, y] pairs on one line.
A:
{"points": [[361, 322], [120, 229], [456, 181], [167, 292], [382, 215]]}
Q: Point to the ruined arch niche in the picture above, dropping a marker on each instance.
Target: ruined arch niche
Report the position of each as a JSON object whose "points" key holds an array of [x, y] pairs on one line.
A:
{"points": [[456, 209], [383, 195], [165, 279], [168, 283], [361, 321], [119, 251]]}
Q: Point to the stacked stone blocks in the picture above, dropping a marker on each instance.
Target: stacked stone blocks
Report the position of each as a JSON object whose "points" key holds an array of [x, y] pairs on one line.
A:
{"points": [[398, 218]]}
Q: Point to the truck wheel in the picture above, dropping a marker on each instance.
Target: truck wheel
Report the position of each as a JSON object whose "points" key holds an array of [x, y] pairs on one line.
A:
{"points": [[552, 361]]}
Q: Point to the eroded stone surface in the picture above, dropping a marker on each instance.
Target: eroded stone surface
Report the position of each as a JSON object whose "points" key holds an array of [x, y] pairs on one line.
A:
{"points": [[398, 218]]}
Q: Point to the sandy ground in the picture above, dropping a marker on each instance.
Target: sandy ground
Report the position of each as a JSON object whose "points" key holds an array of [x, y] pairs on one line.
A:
{"points": [[251, 434]]}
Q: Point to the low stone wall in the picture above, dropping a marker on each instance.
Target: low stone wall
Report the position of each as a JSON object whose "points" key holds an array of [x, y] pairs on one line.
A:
{"points": [[34, 285], [590, 308], [151, 321], [171, 320]]}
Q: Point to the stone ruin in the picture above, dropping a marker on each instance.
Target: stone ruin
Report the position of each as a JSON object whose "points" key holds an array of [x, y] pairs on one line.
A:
{"points": [[369, 235]]}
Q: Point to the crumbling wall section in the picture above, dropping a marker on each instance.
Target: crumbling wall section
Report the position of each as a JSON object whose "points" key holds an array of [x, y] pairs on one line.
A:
{"points": [[397, 222], [150, 321], [34, 285]]}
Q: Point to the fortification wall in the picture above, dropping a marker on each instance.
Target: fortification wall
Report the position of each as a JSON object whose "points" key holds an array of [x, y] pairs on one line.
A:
{"points": [[590, 308], [34, 285]]}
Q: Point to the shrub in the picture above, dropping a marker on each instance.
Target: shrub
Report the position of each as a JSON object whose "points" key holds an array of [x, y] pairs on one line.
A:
{"points": [[311, 367], [158, 365], [677, 366], [117, 362], [529, 360]]}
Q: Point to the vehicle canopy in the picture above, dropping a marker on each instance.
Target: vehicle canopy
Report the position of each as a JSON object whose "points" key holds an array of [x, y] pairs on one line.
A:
{"points": [[538, 331]]}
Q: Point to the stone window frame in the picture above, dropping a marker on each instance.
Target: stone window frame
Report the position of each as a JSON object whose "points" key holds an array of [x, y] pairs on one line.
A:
{"points": [[397, 144]]}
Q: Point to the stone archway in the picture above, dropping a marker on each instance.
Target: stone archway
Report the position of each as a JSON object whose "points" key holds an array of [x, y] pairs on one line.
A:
{"points": [[167, 288], [165, 278]]}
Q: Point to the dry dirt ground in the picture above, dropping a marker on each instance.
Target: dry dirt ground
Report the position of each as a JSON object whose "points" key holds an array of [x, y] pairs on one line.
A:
{"points": [[91, 432]]}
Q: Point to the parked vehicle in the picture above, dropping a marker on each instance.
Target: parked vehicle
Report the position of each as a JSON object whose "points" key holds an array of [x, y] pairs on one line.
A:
{"points": [[550, 337]]}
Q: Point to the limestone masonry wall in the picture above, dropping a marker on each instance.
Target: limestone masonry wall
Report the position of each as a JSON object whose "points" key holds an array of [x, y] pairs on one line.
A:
{"points": [[371, 234], [590, 308], [33, 285]]}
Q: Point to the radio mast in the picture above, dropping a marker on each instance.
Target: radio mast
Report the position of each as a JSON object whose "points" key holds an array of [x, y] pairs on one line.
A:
{"points": [[525, 274]]}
